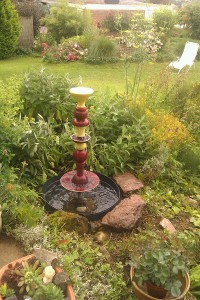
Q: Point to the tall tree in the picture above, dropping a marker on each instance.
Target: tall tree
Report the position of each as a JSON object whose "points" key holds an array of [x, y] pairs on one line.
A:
{"points": [[9, 28]]}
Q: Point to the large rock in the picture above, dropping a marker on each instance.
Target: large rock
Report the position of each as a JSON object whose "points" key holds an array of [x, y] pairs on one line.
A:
{"points": [[128, 182], [126, 214]]}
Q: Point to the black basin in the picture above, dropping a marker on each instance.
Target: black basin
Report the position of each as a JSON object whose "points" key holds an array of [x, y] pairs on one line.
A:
{"points": [[105, 196]]}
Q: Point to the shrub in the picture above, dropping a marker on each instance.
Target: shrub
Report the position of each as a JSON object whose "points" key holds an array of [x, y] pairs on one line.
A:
{"points": [[190, 16], [142, 35], [11, 126], [167, 52], [119, 149], [168, 129], [9, 28], [31, 8], [45, 94], [117, 22], [65, 21], [164, 20], [102, 49]]}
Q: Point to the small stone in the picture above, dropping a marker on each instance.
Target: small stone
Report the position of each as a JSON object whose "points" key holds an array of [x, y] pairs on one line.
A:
{"points": [[81, 209], [192, 202], [13, 297], [44, 255], [26, 297], [101, 237], [128, 182], [95, 226], [61, 279], [104, 251], [166, 224]]}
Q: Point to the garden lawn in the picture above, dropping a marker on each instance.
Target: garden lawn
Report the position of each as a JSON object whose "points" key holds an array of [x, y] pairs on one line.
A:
{"points": [[109, 76]]}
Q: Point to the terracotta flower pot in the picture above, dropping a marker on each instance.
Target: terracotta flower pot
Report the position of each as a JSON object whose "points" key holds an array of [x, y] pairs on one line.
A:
{"points": [[142, 294], [69, 289], [156, 291]]}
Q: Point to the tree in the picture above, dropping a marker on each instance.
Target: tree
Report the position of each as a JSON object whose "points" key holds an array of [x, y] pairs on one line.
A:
{"points": [[65, 21], [164, 20], [9, 28], [190, 16]]}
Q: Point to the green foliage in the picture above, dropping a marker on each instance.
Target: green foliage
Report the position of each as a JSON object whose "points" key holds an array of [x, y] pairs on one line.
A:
{"points": [[48, 292], [190, 15], [46, 94], [117, 22], [102, 49], [31, 8], [92, 275], [5, 291], [45, 150], [11, 125], [161, 267], [28, 274], [119, 149], [195, 282], [164, 20], [9, 28], [65, 21]]}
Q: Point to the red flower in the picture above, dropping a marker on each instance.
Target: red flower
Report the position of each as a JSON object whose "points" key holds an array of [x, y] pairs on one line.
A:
{"points": [[44, 45]]}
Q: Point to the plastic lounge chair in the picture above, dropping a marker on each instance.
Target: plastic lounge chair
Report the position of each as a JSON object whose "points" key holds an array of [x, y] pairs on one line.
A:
{"points": [[187, 58]]}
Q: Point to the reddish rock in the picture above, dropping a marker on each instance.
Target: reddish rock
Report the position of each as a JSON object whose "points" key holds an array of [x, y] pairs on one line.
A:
{"points": [[166, 224], [126, 214], [128, 182]]}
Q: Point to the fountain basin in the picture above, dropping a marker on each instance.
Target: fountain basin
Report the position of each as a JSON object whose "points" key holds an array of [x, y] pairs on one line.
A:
{"points": [[105, 197]]}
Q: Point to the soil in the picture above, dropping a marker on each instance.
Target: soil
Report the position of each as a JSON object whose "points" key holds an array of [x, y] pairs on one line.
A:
{"points": [[9, 250]]}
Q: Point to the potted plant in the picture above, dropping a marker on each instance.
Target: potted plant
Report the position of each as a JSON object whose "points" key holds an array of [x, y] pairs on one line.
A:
{"points": [[159, 273], [25, 276]]}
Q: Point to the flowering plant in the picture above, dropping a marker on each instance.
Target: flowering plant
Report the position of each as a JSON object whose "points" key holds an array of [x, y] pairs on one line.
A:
{"points": [[63, 52], [143, 36]]}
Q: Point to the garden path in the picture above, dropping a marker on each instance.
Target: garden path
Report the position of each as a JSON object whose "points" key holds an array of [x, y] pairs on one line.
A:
{"points": [[9, 250]]}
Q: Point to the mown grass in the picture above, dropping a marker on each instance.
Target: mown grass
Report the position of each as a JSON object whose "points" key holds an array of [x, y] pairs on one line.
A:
{"points": [[110, 76]]}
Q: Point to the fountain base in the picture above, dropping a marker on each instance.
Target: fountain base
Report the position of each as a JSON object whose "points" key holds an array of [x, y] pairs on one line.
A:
{"points": [[103, 198]]}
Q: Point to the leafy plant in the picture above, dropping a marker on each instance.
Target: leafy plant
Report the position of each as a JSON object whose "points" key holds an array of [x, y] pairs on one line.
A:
{"points": [[101, 49], [195, 282], [46, 94], [164, 20], [9, 29], [161, 267], [5, 291], [27, 275], [48, 292], [117, 22], [189, 15], [65, 21]]}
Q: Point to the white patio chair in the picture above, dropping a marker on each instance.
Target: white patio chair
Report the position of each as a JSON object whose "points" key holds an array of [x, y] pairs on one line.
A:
{"points": [[187, 58]]}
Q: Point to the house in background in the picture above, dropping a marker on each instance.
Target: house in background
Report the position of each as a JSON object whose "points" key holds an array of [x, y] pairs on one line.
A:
{"points": [[100, 9]]}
